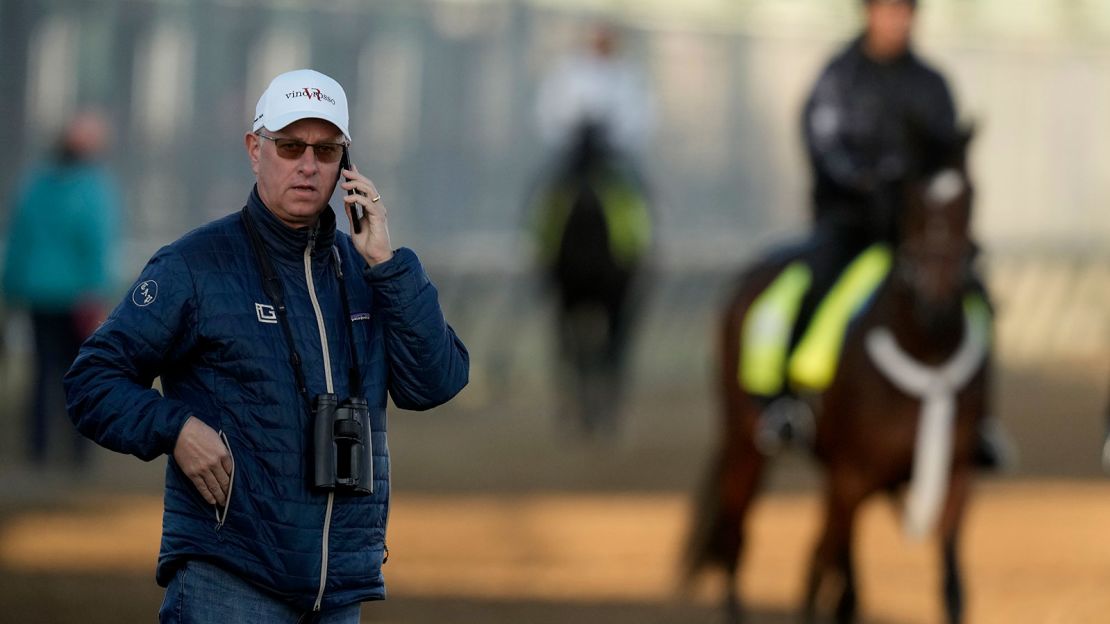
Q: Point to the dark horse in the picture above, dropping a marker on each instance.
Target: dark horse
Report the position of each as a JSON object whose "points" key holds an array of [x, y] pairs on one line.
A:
{"points": [[594, 231], [877, 429]]}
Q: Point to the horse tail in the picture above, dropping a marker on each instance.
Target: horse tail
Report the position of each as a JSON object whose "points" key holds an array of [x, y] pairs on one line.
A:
{"points": [[704, 546], [732, 476]]}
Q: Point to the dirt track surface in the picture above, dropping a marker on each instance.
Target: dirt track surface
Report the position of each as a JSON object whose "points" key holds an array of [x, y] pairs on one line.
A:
{"points": [[1035, 551]]}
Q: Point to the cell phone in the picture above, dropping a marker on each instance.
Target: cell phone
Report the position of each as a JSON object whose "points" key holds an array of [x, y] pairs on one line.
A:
{"points": [[345, 163]]}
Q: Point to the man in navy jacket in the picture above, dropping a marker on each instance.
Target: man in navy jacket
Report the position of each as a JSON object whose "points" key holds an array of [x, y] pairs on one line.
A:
{"points": [[248, 321]]}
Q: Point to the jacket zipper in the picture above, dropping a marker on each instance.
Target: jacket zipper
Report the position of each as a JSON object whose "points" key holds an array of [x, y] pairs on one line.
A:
{"points": [[328, 381]]}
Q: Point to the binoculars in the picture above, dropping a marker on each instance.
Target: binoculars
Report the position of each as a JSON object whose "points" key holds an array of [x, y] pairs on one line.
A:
{"points": [[343, 451]]}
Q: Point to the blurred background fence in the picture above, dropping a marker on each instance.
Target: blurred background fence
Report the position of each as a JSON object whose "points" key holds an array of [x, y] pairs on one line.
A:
{"points": [[442, 95]]}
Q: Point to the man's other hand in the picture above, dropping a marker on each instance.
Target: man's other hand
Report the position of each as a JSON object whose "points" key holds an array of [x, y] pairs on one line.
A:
{"points": [[202, 456]]}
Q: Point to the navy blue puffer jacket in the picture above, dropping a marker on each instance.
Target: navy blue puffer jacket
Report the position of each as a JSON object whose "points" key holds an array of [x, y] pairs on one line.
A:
{"points": [[198, 318]]}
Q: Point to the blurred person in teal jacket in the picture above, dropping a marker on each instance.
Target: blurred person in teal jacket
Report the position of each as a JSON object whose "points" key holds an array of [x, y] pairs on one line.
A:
{"points": [[64, 223]]}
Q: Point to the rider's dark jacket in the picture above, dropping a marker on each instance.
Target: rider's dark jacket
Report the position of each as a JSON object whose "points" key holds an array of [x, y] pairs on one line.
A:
{"points": [[858, 123], [199, 318]]}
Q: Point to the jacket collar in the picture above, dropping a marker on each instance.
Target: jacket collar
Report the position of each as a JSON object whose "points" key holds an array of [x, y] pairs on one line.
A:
{"points": [[288, 244]]}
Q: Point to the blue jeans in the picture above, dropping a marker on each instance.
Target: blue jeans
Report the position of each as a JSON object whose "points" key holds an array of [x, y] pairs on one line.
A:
{"points": [[201, 593]]}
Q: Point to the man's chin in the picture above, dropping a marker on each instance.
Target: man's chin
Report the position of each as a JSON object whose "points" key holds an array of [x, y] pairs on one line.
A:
{"points": [[307, 207]]}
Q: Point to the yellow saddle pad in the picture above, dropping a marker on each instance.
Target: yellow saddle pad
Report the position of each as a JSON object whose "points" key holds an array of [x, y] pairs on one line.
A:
{"points": [[626, 214], [765, 365]]}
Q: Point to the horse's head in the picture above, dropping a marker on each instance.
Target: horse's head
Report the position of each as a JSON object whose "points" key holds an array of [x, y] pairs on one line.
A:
{"points": [[934, 257]]}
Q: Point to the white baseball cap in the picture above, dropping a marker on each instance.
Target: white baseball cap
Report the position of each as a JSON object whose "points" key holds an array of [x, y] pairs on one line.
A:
{"points": [[301, 94]]}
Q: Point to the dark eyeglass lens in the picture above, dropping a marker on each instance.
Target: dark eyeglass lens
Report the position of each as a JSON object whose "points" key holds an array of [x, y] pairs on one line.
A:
{"points": [[325, 152], [289, 148], [328, 152]]}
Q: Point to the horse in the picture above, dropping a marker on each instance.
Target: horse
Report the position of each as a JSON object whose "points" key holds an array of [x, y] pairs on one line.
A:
{"points": [[594, 232], [879, 425]]}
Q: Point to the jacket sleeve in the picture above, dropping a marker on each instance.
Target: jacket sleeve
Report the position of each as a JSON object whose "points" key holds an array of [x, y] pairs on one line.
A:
{"points": [[824, 126], [935, 109], [108, 387], [428, 364]]}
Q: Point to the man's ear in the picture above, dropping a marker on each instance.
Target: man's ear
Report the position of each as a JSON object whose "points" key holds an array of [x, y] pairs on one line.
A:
{"points": [[254, 148]]}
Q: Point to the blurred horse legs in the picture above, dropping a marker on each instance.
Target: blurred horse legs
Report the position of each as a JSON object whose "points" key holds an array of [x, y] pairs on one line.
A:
{"points": [[583, 340], [953, 584], [619, 317], [568, 353], [832, 575], [593, 341], [741, 475], [949, 533]]}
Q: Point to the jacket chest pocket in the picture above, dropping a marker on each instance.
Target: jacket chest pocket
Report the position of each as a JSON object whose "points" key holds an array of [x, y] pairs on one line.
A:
{"points": [[366, 330], [245, 333]]}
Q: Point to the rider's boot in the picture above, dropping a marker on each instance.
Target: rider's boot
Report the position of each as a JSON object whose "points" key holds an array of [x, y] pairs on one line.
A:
{"points": [[994, 448]]}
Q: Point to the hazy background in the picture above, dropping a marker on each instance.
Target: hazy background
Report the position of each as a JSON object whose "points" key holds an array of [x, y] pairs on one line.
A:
{"points": [[441, 97]]}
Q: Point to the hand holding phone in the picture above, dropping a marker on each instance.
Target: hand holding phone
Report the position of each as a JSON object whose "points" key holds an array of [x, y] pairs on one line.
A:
{"points": [[372, 242]]}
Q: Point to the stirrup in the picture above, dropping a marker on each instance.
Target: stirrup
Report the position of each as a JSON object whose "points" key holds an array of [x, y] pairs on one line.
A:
{"points": [[786, 420]]}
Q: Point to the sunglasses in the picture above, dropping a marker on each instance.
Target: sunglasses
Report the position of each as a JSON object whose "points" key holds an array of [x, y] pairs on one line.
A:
{"points": [[293, 148]]}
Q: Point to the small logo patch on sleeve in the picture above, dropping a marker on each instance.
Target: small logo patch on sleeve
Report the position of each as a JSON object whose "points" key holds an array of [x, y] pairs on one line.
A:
{"points": [[360, 316], [144, 293]]}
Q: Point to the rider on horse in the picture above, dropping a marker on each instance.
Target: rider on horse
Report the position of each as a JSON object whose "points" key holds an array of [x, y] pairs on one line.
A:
{"points": [[856, 132], [871, 103], [593, 223]]}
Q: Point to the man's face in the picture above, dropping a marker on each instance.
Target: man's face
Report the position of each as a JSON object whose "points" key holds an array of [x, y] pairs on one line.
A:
{"points": [[295, 190], [889, 24]]}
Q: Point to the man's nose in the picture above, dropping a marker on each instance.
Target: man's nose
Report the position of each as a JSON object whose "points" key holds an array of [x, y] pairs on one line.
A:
{"points": [[308, 160]]}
